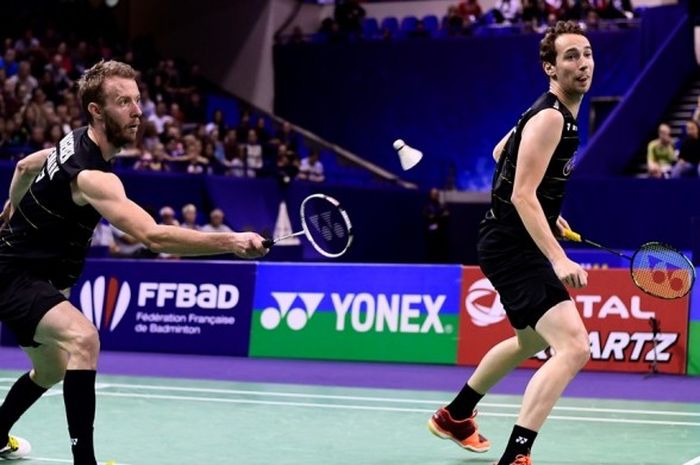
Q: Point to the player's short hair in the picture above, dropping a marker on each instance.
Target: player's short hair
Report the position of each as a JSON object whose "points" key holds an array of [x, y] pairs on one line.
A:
{"points": [[91, 84], [548, 52]]}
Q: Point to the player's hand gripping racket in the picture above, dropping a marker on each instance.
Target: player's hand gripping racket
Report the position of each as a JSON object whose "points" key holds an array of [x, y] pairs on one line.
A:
{"points": [[657, 269], [325, 224]]}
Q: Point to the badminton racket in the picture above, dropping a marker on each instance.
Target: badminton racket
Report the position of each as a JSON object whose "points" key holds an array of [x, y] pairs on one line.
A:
{"points": [[325, 224], [656, 268]]}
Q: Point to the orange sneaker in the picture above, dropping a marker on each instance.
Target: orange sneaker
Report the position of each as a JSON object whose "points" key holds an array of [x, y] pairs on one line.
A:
{"points": [[463, 432], [522, 460]]}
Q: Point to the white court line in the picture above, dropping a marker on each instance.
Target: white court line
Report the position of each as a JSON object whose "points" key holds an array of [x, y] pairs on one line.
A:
{"points": [[387, 400], [383, 409], [694, 461], [370, 399], [46, 459]]}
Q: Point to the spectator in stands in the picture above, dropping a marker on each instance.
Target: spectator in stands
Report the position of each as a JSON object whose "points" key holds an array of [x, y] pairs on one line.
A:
{"points": [[507, 11], [216, 222], [243, 129], [148, 107], [453, 22], [189, 217], [167, 216], [311, 168], [688, 152], [470, 10], [614, 9], [254, 155], [8, 63], [578, 10], [150, 136], [287, 165], [285, 135], [557, 7], [235, 163], [533, 15], [23, 77], [54, 134], [261, 130], [37, 138], [194, 109], [35, 113], [661, 153], [161, 117], [349, 15], [145, 162]]}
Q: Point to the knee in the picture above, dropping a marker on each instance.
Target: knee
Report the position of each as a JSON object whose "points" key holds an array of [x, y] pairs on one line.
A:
{"points": [[579, 353], [86, 342]]}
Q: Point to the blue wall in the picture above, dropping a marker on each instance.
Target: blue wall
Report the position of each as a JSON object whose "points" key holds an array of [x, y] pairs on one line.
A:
{"points": [[453, 99]]}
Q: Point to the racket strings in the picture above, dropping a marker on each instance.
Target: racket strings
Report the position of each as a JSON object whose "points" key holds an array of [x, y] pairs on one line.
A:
{"points": [[327, 225], [662, 271]]}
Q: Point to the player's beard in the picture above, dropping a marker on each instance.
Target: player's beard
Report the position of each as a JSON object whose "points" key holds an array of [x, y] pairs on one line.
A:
{"points": [[116, 134]]}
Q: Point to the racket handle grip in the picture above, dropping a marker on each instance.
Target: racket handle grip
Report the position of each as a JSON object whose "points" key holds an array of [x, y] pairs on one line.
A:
{"points": [[572, 236], [267, 243]]}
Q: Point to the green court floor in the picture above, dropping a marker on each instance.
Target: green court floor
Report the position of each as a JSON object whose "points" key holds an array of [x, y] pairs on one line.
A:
{"points": [[156, 421]]}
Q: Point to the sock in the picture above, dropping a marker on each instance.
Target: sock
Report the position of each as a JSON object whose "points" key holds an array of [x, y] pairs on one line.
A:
{"points": [[520, 443], [79, 397], [463, 405], [21, 396]]}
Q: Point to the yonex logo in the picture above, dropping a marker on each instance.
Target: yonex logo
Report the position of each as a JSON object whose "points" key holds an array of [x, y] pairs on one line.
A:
{"points": [[484, 304], [521, 440], [324, 224], [296, 317], [105, 306]]}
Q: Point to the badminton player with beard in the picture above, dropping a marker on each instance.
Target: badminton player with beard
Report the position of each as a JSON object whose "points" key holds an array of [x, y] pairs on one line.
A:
{"points": [[57, 197], [519, 253]]}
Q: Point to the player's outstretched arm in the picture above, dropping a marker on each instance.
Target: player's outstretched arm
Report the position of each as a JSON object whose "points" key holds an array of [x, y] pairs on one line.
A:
{"points": [[105, 192]]}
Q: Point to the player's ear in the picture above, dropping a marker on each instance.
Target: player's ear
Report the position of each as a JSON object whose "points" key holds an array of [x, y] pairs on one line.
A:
{"points": [[95, 110], [549, 69]]}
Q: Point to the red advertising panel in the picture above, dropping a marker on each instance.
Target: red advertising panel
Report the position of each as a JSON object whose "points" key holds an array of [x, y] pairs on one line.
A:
{"points": [[616, 313]]}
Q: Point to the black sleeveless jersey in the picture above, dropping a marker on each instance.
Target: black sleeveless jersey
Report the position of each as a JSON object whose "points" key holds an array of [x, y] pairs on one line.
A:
{"points": [[49, 234], [550, 192]]}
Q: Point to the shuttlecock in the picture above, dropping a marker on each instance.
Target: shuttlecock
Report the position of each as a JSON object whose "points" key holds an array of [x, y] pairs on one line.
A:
{"points": [[408, 156]]}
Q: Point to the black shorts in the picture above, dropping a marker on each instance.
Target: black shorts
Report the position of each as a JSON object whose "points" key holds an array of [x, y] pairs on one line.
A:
{"points": [[522, 275], [24, 300]]}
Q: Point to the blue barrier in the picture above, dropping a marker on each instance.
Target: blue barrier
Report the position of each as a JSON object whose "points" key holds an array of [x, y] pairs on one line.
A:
{"points": [[167, 306]]}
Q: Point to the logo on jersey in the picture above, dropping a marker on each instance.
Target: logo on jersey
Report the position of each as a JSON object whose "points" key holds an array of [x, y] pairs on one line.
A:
{"points": [[569, 167], [104, 302], [484, 304]]}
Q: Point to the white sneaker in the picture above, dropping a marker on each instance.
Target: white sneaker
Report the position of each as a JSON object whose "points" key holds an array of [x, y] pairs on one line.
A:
{"points": [[16, 448]]}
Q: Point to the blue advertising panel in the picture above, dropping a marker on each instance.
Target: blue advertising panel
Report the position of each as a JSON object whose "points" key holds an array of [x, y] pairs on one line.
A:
{"points": [[406, 313], [183, 306]]}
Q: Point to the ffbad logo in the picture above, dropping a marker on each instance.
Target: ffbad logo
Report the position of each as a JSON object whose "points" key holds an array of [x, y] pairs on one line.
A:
{"points": [[105, 305], [361, 312], [484, 304]]}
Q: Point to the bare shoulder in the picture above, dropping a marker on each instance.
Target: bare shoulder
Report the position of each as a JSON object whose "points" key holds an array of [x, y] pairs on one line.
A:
{"points": [[91, 181], [548, 119]]}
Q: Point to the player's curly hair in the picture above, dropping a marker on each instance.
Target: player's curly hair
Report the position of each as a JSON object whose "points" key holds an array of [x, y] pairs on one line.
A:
{"points": [[90, 85], [548, 53]]}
